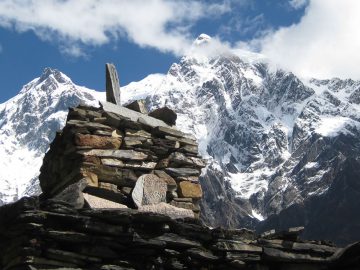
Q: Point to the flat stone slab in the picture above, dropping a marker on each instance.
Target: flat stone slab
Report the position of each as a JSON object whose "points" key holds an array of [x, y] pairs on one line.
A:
{"points": [[133, 115], [149, 189], [95, 141], [190, 190], [96, 202], [120, 154], [168, 210]]}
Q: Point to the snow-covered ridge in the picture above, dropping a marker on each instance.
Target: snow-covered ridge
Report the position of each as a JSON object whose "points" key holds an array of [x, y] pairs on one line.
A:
{"points": [[28, 124]]}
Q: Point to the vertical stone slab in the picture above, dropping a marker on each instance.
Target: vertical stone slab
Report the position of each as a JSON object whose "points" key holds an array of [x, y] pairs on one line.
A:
{"points": [[112, 85]]}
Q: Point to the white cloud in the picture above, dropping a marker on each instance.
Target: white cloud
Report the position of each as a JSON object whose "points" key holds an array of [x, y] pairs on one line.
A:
{"points": [[161, 24], [297, 4], [324, 44]]}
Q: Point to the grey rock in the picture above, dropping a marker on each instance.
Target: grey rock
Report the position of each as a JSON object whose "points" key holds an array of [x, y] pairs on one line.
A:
{"points": [[149, 189], [138, 106], [112, 85], [165, 114]]}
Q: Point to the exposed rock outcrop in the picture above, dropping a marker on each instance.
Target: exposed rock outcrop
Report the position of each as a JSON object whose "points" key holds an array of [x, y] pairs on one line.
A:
{"points": [[51, 234]]}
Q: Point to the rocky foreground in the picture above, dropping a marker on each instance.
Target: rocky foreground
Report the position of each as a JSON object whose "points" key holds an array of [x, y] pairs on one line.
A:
{"points": [[47, 234]]}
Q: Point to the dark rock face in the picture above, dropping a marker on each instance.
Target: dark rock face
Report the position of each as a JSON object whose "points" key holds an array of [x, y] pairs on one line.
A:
{"points": [[48, 234], [323, 217]]}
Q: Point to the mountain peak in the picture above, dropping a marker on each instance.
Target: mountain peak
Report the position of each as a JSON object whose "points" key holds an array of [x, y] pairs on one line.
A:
{"points": [[58, 75], [202, 39]]}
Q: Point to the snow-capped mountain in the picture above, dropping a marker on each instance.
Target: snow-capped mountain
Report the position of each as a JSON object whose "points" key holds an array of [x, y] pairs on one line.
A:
{"points": [[274, 141], [28, 123]]}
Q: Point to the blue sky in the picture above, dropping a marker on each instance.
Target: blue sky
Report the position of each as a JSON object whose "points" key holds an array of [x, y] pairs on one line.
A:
{"points": [[146, 36]]}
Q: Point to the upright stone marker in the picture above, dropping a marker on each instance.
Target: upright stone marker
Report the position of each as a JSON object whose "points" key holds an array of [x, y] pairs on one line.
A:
{"points": [[112, 85]]}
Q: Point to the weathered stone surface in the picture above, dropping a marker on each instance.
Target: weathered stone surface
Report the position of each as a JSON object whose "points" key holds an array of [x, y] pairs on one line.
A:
{"points": [[290, 245], [102, 133], [190, 190], [185, 205], [91, 178], [138, 106], [88, 125], [137, 133], [149, 189], [190, 149], [178, 159], [96, 202], [194, 179], [112, 162], [53, 235], [168, 210], [112, 85], [120, 154], [137, 142], [278, 255], [95, 141], [182, 140], [165, 114], [72, 194], [233, 245], [114, 175], [169, 131], [108, 186], [143, 165], [133, 115], [171, 184], [162, 164], [176, 172]]}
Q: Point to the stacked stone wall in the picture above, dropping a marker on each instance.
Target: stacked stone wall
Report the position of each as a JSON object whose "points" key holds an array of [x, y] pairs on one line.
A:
{"points": [[109, 160]]}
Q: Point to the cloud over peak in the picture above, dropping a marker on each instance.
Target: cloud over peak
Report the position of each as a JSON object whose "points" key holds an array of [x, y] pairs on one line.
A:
{"points": [[160, 24]]}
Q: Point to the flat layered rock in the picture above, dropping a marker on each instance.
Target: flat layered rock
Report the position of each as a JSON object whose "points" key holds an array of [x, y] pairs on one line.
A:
{"points": [[182, 140], [178, 159], [114, 175], [166, 130], [233, 245], [190, 190], [88, 125], [137, 133], [96, 202], [94, 141], [120, 154], [133, 115], [168, 210], [285, 256], [178, 172], [149, 189]]}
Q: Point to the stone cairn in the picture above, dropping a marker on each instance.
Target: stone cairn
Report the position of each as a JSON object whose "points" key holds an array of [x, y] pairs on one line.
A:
{"points": [[121, 192], [114, 157]]}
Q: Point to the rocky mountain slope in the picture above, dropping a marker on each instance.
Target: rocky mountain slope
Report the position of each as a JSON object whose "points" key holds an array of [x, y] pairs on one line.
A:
{"points": [[273, 140]]}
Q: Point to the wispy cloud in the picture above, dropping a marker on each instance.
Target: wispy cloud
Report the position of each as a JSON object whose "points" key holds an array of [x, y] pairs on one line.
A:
{"points": [[297, 4], [244, 26], [325, 43], [161, 24]]}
